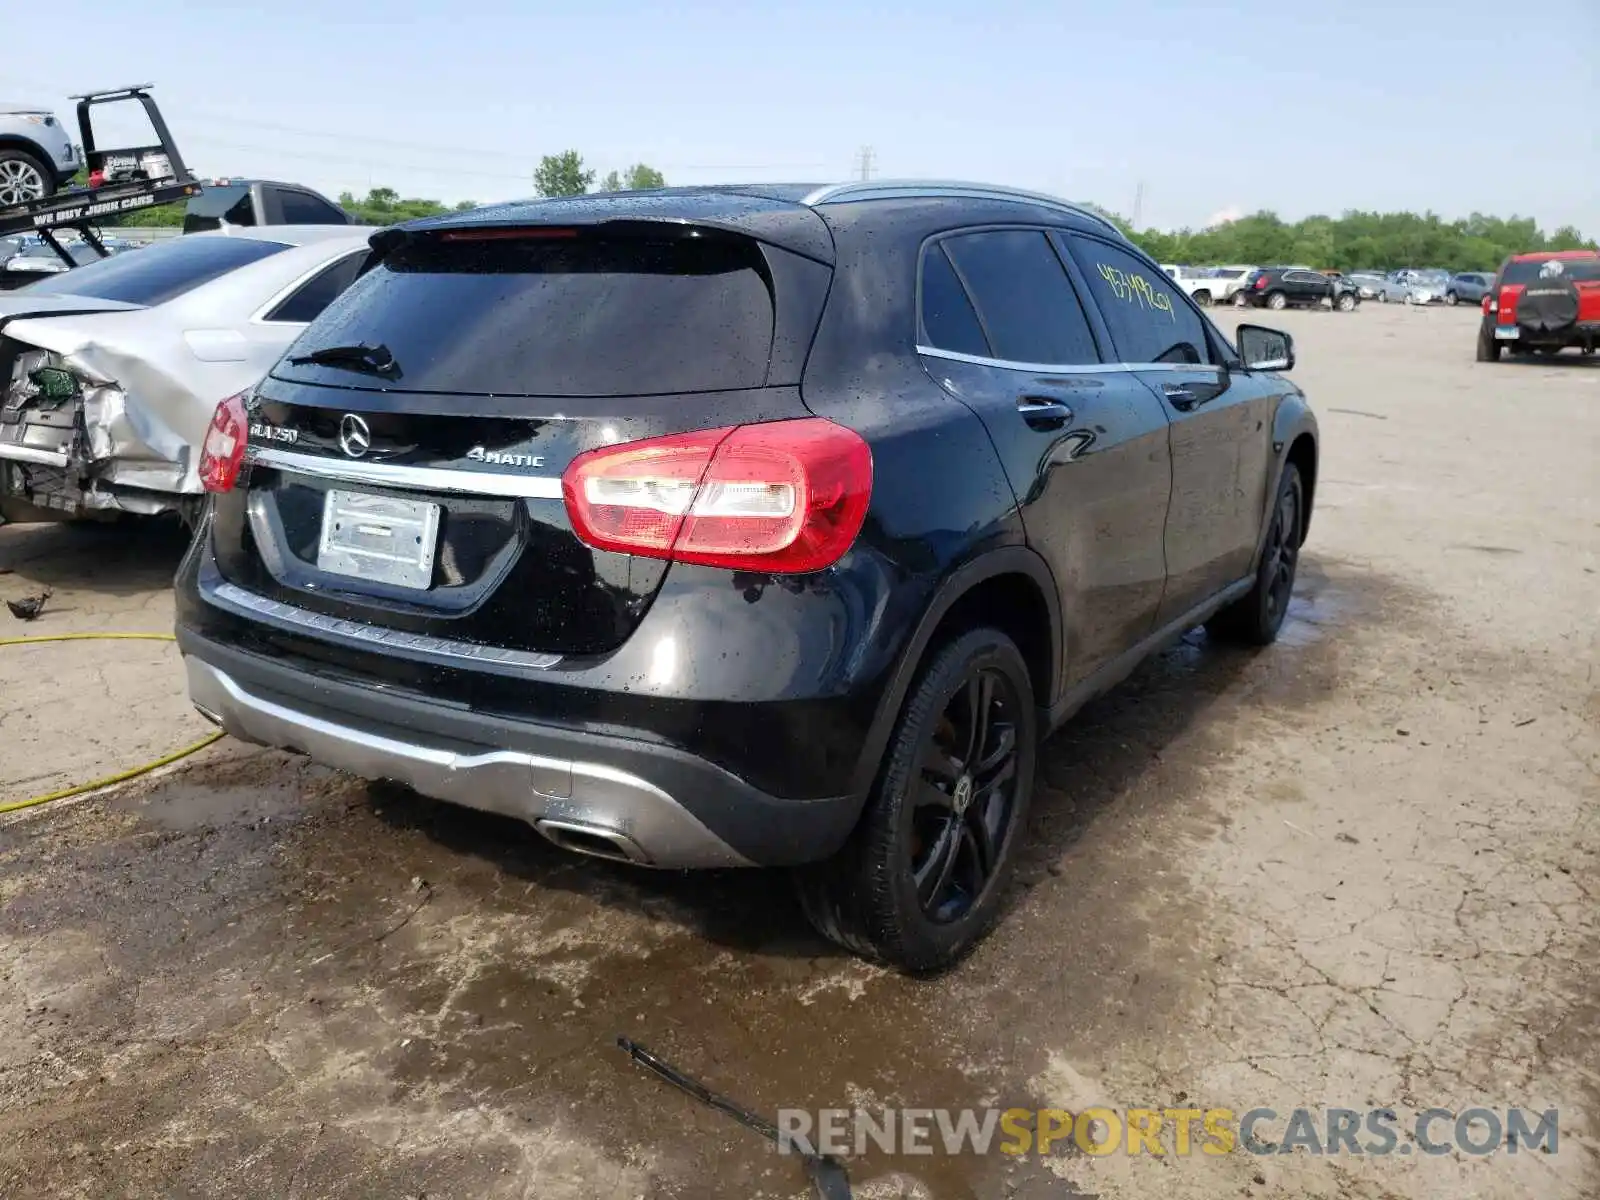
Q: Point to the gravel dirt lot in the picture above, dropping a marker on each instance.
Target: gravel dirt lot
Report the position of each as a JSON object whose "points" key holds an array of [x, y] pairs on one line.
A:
{"points": [[1359, 868]]}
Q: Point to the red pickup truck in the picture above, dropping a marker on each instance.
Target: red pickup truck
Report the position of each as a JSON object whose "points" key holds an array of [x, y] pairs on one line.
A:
{"points": [[1542, 302]]}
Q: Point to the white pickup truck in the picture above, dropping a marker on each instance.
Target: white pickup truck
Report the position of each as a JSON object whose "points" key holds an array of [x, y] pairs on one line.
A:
{"points": [[1208, 285]]}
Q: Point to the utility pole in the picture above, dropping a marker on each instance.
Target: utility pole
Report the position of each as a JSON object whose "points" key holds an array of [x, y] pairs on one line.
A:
{"points": [[1138, 203], [864, 159]]}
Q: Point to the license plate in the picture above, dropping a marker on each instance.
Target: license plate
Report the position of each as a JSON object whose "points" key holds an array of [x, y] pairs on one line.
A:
{"points": [[1508, 332], [378, 538]]}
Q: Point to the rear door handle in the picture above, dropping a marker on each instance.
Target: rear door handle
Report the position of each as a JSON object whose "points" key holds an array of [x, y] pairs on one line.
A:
{"points": [[1041, 412]]}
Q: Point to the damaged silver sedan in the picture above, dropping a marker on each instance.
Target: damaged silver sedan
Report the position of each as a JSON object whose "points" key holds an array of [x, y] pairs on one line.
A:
{"points": [[110, 373]]}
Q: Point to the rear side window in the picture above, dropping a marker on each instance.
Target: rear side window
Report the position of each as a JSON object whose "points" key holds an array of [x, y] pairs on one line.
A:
{"points": [[1150, 321], [948, 321], [561, 314], [306, 303], [161, 272], [217, 203], [1578, 270], [1023, 297], [299, 208]]}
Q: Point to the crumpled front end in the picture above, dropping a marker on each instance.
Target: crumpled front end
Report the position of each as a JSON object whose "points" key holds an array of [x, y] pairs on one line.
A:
{"points": [[88, 431]]}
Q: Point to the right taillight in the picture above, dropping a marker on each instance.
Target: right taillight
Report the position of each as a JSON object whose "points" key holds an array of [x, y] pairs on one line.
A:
{"points": [[783, 497], [1261, 282], [222, 452]]}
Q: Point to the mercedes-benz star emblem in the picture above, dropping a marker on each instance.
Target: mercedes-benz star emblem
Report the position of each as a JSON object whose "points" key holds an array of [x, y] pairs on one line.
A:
{"points": [[355, 439]]}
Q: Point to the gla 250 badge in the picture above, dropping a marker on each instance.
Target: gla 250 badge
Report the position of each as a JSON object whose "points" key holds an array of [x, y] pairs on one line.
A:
{"points": [[274, 433]]}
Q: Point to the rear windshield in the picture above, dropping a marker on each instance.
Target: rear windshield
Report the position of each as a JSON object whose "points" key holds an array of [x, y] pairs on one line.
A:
{"points": [[217, 203], [561, 316], [161, 272], [1579, 270]]}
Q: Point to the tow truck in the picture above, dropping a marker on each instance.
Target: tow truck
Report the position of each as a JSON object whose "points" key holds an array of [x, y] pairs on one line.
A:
{"points": [[120, 181]]}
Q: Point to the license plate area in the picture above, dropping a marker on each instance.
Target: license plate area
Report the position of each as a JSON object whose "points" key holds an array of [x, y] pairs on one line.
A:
{"points": [[383, 539], [1506, 332]]}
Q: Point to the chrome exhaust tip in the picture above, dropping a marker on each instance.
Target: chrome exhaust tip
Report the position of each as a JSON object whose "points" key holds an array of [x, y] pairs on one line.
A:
{"points": [[593, 840]]}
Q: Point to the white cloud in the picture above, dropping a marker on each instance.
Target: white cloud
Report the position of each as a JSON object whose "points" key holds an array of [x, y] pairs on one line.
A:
{"points": [[1224, 216]]}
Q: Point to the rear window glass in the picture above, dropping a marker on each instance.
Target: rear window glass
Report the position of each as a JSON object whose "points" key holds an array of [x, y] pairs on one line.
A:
{"points": [[1579, 270], [161, 272], [217, 203], [578, 316]]}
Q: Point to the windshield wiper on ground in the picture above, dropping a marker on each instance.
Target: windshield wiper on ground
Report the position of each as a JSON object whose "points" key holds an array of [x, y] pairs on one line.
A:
{"points": [[376, 360]]}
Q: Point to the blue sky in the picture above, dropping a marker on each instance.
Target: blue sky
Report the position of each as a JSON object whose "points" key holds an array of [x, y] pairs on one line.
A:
{"points": [[1213, 107]]}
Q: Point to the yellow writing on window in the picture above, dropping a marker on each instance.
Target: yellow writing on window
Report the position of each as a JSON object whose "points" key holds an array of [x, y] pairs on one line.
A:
{"points": [[1136, 289]]}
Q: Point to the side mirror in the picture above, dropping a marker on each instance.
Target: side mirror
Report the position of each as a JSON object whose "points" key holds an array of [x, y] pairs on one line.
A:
{"points": [[1265, 349]]}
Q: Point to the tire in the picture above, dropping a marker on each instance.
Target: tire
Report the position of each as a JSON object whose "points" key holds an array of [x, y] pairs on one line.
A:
{"points": [[1488, 348], [872, 897], [1277, 301], [1255, 618], [1452, 299], [1202, 298], [23, 177], [1240, 300], [1345, 303]]}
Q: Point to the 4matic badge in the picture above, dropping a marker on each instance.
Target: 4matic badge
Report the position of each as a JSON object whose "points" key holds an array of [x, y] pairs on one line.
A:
{"points": [[501, 459]]}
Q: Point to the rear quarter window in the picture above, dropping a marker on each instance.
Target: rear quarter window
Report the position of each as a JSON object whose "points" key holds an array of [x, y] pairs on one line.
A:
{"points": [[561, 316]]}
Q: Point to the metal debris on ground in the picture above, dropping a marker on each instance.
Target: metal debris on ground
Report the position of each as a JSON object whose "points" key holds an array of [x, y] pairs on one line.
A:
{"points": [[829, 1179]]}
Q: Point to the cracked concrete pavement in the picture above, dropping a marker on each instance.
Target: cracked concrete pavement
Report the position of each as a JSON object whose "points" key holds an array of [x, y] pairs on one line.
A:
{"points": [[1357, 869]]}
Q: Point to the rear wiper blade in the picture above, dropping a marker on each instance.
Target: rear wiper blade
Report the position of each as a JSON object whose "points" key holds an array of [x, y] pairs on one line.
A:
{"points": [[360, 357]]}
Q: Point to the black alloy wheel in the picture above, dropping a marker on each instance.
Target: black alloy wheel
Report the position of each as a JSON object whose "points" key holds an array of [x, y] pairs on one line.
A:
{"points": [[1282, 553], [923, 876], [1256, 617], [964, 797]]}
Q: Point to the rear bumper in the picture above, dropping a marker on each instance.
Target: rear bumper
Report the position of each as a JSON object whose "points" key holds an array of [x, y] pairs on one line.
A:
{"points": [[618, 797], [1583, 333]]}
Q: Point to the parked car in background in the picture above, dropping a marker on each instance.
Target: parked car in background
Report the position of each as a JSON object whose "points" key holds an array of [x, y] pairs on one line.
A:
{"points": [[1543, 302], [111, 372], [1285, 287], [1346, 295], [1202, 284], [743, 526], [1469, 287], [1368, 284], [36, 260], [249, 202], [1230, 279], [37, 155], [1414, 285], [1428, 286]]}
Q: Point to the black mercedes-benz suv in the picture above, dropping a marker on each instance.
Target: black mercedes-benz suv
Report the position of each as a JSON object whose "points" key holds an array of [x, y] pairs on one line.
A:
{"points": [[743, 526]]}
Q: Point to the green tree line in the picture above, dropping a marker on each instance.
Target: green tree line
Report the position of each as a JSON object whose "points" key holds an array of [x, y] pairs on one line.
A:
{"points": [[1357, 240]]}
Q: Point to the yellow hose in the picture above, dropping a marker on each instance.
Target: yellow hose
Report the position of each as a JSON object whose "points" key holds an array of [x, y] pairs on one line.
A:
{"points": [[96, 784]]}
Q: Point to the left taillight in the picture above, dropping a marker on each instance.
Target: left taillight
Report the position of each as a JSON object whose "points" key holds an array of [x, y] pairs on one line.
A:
{"points": [[784, 497], [222, 452]]}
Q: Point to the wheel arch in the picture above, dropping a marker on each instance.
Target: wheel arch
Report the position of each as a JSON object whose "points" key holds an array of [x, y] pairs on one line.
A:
{"points": [[15, 141], [1295, 440], [1010, 588]]}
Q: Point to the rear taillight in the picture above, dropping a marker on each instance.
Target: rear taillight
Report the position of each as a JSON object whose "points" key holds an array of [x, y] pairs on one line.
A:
{"points": [[1261, 282], [223, 450], [786, 496]]}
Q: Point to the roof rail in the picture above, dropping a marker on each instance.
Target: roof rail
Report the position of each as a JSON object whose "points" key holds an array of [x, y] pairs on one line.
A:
{"points": [[900, 189]]}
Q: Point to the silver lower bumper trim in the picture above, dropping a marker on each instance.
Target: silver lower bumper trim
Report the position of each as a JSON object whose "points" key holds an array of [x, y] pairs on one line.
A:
{"points": [[612, 813]]}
